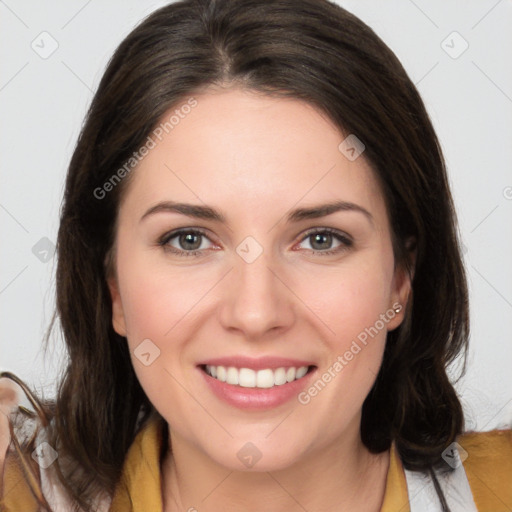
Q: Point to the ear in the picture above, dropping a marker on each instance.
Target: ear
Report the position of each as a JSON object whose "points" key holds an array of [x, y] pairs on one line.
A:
{"points": [[118, 320], [402, 286]]}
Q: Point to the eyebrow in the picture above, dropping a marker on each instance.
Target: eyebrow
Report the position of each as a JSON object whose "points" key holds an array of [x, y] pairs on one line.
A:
{"points": [[299, 214]]}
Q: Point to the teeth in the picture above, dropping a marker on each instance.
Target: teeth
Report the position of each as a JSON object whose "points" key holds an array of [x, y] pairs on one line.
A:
{"points": [[247, 378], [301, 372], [232, 376], [221, 373], [265, 379], [280, 377]]}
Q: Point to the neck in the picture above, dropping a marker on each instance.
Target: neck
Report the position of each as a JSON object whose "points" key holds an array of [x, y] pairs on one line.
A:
{"points": [[342, 475]]}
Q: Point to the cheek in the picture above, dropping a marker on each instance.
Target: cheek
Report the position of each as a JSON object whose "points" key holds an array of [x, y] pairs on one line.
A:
{"points": [[352, 306], [160, 304], [157, 296], [350, 298]]}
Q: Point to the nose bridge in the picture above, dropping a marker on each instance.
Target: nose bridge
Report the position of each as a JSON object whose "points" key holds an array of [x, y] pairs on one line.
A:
{"points": [[257, 301]]}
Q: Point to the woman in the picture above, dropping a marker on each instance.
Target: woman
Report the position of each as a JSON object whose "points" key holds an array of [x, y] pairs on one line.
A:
{"points": [[259, 282]]}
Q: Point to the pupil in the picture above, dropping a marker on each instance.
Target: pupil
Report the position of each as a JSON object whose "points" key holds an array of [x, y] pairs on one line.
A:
{"points": [[188, 239], [321, 238]]}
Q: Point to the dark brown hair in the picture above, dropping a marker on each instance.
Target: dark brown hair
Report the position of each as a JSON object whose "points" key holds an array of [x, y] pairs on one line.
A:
{"points": [[312, 50]]}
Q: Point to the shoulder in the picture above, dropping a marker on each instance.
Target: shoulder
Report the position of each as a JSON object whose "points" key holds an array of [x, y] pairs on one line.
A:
{"points": [[487, 460], [484, 449], [17, 422], [17, 429], [8, 400], [28, 460], [140, 484]]}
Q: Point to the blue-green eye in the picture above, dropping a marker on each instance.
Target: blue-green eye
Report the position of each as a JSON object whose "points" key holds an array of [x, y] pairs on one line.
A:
{"points": [[321, 240], [190, 242]]}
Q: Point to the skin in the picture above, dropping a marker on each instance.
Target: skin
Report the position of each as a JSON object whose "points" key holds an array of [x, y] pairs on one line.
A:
{"points": [[254, 158]]}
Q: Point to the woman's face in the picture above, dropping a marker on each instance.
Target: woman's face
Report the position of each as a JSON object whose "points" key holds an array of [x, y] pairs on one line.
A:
{"points": [[270, 285]]}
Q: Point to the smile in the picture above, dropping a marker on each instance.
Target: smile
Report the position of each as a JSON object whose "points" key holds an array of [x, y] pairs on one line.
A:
{"points": [[248, 378]]}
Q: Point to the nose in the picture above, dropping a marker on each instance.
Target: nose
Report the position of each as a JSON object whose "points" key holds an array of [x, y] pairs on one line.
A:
{"points": [[256, 300]]}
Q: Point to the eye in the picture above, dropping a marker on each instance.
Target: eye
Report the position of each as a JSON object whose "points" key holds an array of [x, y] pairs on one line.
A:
{"points": [[321, 240], [184, 242], [191, 242]]}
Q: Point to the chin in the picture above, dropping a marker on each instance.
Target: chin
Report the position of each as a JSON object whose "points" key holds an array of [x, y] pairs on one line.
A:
{"points": [[258, 455]]}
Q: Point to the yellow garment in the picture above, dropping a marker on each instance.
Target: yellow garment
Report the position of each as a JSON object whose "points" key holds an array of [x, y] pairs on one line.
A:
{"points": [[140, 486], [488, 468]]}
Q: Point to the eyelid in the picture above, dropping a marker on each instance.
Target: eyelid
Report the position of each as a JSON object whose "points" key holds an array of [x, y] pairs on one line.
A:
{"points": [[345, 239], [164, 240], [333, 231], [178, 231], [346, 242]]}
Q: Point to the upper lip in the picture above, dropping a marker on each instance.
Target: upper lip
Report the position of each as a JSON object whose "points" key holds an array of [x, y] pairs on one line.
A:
{"points": [[259, 363]]}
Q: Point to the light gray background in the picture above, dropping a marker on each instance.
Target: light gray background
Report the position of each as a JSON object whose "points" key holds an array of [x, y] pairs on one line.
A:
{"points": [[469, 98]]}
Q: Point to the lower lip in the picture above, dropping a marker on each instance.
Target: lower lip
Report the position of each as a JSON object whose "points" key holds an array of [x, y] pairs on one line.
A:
{"points": [[256, 398]]}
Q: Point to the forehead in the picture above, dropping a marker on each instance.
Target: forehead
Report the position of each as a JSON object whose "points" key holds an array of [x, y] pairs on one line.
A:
{"points": [[251, 151]]}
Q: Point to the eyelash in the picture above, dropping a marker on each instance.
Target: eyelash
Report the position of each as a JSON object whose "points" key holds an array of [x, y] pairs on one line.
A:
{"points": [[346, 242]]}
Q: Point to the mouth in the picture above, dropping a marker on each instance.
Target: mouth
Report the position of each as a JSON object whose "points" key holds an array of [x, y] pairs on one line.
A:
{"points": [[261, 383], [264, 378]]}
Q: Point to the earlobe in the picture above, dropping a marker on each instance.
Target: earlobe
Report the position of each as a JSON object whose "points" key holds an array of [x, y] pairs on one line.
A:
{"points": [[399, 298], [118, 321], [402, 287]]}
